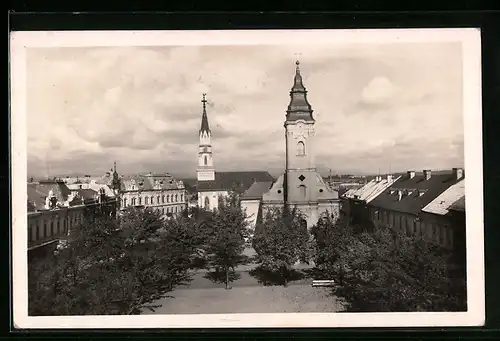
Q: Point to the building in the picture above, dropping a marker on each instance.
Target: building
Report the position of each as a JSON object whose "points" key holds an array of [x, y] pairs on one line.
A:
{"points": [[251, 200], [354, 202], [161, 192], [54, 211], [210, 185], [301, 186], [401, 205], [443, 215]]}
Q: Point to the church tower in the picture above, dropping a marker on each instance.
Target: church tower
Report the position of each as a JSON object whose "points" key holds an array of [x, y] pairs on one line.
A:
{"points": [[300, 175], [205, 170]]}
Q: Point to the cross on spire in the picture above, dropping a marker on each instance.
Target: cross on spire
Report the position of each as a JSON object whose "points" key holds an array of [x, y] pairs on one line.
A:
{"points": [[204, 118]]}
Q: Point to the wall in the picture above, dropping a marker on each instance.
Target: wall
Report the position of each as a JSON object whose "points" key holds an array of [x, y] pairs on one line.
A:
{"points": [[311, 211], [45, 228], [165, 201], [213, 197], [433, 229], [252, 210]]}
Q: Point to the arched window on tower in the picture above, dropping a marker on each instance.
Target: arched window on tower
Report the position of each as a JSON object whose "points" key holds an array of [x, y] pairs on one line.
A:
{"points": [[302, 191], [207, 203], [301, 148], [205, 160]]}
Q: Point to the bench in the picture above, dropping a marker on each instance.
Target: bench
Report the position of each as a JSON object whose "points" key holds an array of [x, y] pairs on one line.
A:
{"points": [[323, 283]]}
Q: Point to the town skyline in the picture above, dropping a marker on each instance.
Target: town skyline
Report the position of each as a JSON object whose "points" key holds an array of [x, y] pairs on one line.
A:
{"points": [[141, 107]]}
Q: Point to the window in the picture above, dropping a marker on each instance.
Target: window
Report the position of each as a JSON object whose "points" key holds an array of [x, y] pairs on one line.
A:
{"points": [[207, 203], [57, 227], [302, 191], [182, 197], [162, 199], [146, 200], [140, 200], [175, 209], [171, 198], [168, 198], [158, 200], [205, 160], [133, 201], [414, 228], [301, 148], [124, 202], [176, 197], [46, 232], [163, 210]]}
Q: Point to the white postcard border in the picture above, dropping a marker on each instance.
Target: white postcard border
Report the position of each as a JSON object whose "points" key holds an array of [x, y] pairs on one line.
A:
{"points": [[471, 47]]}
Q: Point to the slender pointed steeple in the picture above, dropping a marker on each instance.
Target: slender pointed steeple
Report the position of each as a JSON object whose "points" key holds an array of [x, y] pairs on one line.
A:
{"points": [[204, 119], [299, 108]]}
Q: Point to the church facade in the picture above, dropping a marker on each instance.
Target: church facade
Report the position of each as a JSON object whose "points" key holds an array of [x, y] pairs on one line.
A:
{"points": [[300, 186]]}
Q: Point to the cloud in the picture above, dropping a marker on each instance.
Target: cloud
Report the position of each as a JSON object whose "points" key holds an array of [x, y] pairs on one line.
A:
{"points": [[378, 104]]}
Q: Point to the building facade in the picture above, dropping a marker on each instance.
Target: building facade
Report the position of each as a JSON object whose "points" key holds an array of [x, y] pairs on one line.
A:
{"points": [[301, 186], [408, 204], [160, 192], [54, 211]]}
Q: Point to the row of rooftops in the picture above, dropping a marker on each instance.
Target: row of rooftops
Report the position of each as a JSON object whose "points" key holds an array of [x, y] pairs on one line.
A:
{"points": [[55, 193], [414, 192]]}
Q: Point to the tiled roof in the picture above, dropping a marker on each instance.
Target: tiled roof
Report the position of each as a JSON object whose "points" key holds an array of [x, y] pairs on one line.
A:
{"points": [[233, 181], [412, 202], [256, 190], [87, 194], [36, 199], [458, 205], [59, 188], [371, 190], [442, 203], [148, 182]]}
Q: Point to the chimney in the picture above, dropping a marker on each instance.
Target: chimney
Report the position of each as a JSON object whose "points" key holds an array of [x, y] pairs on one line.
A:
{"points": [[389, 178], [427, 174], [458, 173], [411, 174]]}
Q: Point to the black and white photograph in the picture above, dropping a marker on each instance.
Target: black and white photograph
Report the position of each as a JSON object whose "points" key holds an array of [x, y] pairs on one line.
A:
{"points": [[300, 178]]}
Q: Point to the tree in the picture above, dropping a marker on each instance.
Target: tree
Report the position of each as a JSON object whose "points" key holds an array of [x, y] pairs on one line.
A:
{"points": [[226, 233], [113, 266], [281, 241], [385, 270]]}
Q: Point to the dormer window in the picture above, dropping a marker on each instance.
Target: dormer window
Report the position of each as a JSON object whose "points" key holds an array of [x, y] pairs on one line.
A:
{"points": [[392, 191]]}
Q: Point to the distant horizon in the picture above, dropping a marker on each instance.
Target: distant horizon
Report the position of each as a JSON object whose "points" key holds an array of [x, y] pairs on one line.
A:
{"points": [[274, 174]]}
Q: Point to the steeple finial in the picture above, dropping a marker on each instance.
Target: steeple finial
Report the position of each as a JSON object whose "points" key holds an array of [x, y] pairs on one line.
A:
{"points": [[204, 118], [299, 107]]}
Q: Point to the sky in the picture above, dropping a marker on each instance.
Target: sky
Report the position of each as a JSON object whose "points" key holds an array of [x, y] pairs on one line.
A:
{"points": [[378, 107]]}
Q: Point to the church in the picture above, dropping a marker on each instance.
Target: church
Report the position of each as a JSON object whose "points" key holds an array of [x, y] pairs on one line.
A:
{"points": [[210, 185], [300, 185]]}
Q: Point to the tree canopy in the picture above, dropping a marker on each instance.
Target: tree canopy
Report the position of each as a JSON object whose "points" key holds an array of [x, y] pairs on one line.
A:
{"points": [[385, 270], [281, 241], [225, 241], [113, 265]]}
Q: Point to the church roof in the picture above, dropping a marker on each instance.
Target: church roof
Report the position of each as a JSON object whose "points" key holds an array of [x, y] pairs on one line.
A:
{"points": [[299, 107], [233, 181], [204, 118], [256, 190]]}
